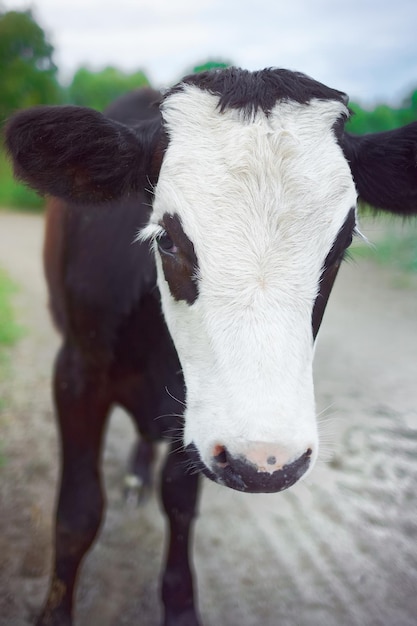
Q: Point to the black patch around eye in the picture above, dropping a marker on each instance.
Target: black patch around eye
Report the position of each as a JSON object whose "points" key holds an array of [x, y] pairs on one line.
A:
{"points": [[330, 269], [179, 261], [342, 241]]}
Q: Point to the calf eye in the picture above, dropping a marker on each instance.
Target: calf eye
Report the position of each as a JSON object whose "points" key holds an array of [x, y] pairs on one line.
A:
{"points": [[166, 245]]}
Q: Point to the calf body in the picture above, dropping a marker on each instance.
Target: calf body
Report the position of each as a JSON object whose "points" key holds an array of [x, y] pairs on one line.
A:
{"points": [[245, 194], [116, 350]]}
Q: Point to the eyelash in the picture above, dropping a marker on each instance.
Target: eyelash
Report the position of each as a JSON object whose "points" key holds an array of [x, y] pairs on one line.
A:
{"points": [[165, 244]]}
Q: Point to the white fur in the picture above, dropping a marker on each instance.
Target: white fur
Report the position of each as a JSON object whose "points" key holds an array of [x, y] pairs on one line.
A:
{"points": [[262, 200]]}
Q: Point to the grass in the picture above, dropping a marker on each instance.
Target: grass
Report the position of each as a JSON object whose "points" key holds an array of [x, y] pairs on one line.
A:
{"points": [[10, 332], [398, 252], [395, 247], [14, 195]]}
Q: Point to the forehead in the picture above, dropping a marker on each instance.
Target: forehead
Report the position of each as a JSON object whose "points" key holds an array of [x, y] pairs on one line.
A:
{"points": [[292, 141], [283, 165]]}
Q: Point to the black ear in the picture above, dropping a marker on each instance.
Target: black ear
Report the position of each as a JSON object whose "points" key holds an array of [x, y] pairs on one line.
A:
{"points": [[384, 168], [77, 153]]}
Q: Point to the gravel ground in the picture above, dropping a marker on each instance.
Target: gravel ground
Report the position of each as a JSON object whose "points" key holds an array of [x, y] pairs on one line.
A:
{"points": [[339, 549]]}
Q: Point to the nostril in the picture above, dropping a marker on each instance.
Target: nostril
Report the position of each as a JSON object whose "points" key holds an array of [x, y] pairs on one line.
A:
{"points": [[220, 455], [307, 455]]}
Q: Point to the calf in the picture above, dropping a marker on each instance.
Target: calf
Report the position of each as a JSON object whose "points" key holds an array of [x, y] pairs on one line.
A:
{"points": [[244, 190]]}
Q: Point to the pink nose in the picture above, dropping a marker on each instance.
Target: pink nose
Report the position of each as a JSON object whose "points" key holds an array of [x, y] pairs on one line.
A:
{"points": [[264, 467]]}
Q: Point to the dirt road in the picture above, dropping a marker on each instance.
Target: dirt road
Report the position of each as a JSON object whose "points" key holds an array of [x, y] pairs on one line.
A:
{"points": [[339, 549]]}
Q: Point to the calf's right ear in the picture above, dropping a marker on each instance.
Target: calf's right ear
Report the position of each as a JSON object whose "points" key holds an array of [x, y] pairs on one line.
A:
{"points": [[78, 154]]}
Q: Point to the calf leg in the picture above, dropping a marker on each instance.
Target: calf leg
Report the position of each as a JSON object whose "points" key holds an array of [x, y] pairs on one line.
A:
{"points": [[131, 395], [179, 498], [82, 406]]}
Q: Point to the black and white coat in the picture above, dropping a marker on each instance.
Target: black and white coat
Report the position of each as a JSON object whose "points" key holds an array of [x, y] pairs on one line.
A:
{"points": [[253, 184]]}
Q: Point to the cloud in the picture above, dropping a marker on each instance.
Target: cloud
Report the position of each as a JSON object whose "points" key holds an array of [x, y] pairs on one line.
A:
{"points": [[364, 46]]}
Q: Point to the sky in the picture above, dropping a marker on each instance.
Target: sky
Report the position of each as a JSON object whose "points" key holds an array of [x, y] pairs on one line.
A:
{"points": [[367, 48]]}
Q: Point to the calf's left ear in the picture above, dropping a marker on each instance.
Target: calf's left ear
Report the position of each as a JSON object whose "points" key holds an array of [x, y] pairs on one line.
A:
{"points": [[384, 168], [78, 154]]}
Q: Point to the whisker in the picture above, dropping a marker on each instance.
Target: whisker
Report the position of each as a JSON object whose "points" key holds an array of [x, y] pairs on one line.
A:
{"points": [[174, 450], [327, 429], [192, 467], [151, 185], [158, 417], [358, 233], [173, 437], [325, 409], [178, 439], [174, 398]]}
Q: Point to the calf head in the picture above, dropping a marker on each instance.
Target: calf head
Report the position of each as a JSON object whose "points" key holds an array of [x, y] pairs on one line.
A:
{"points": [[254, 185]]}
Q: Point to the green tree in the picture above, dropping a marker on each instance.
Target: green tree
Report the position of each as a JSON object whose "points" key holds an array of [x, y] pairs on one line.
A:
{"points": [[98, 89], [210, 65], [382, 117], [408, 111], [27, 72]]}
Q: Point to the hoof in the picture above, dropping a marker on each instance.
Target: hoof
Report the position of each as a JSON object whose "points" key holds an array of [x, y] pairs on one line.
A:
{"points": [[135, 491], [138, 480]]}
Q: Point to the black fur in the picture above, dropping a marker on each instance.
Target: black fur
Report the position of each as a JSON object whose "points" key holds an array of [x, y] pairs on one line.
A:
{"points": [[77, 153], [384, 168], [250, 91], [180, 266], [125, 109], [330, 269]]}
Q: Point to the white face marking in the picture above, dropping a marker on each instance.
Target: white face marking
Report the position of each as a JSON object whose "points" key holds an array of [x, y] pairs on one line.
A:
{"points": [[262, 200]]}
